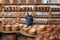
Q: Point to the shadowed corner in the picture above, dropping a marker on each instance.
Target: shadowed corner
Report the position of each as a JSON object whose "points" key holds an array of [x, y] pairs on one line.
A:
{"points": [[0, 35]]}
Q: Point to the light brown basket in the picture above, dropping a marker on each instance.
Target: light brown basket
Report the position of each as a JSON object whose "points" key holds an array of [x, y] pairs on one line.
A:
{"points": [[15, 28], [11, 37]]}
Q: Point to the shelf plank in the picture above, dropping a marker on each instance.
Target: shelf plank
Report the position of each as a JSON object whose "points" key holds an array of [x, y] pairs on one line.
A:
{"points": [[12, 32], [57, 22], [35, 16], [33, 4], [40, 22], [44, 22], [32, 11], [29, 9], [46, 16]]}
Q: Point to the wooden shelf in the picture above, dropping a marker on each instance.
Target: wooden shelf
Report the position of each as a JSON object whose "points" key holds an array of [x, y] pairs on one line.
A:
{"points": [[44, 22], [40, 22], [45, 16], [36, 16], [33, 10], [12, 32], [29, 9], [24, 9], [36, 22], [32, 4]]}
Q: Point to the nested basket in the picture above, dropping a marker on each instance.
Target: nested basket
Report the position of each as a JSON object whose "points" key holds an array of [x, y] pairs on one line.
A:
{"points": [[8, 28], [2, 28], [11, 37], [15, 27]]}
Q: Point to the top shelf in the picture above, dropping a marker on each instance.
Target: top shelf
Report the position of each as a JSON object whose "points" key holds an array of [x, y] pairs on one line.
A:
{"points": [[30, 4]]}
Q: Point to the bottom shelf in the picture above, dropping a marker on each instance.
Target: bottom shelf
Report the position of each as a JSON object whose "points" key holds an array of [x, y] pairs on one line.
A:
{"points": [[21, 32]]}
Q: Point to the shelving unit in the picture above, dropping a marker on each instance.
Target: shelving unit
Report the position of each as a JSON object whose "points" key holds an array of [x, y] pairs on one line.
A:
{"points": [[36, 16]]}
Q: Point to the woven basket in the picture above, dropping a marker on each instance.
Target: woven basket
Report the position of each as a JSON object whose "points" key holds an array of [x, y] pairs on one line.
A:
{"points": [[15, 27], [11, 37]]}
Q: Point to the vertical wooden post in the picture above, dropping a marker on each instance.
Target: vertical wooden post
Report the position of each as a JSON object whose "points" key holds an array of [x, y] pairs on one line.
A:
{"points": [[3, 12], [18, 18], [2, 2], [49, 14], [2, 16], [33, 13]]}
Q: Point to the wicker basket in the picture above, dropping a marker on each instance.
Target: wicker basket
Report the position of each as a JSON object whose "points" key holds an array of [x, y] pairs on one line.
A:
{"points": [[6, 2], [15, 2], [2, 28], [31, 2], [38, 1], [22, 1], [20, 26], [11, 37], [1, 1], [8, 28], [15, 28]]}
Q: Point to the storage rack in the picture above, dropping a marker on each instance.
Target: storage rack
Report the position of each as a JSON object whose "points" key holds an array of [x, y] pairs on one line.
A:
{"points": [[45, 16]]}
